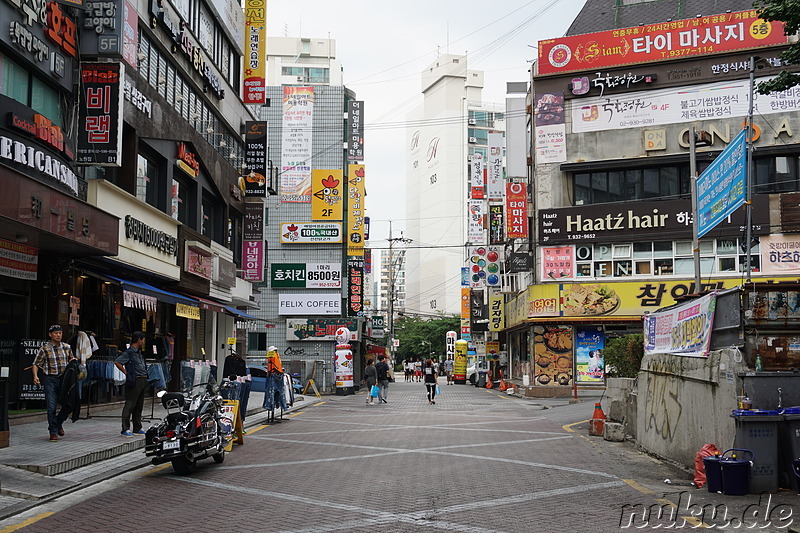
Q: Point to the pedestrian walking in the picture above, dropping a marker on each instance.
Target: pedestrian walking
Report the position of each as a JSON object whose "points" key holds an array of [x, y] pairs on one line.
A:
{"points": [[430, 376], [408, 369], [448, 369], [52, 359], [370, 379], [131, 363], [418, 371], [382, 373]]}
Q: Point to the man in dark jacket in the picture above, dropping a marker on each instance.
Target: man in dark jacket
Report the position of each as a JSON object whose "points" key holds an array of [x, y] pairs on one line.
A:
{"points": [[132, 360], [382, 369]]}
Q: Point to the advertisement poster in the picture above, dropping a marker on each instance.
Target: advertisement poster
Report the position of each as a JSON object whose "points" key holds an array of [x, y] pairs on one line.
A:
{"points": [[296, 141], [496, 224], [475, 221], [721, 186], [476, 177], [356, 195], [27, 352], [100, 126], [326, 194], [306, 275], [589, 364], [18, 260], [558, 263], [656, 42], [516, 211], [355, 286], [684, 330], [495, 179], [484, 266], [302, 233], [355, 130], [552, 347], [255, 52], [255, 157], [253, 256], [780, 254], [319, 329]]}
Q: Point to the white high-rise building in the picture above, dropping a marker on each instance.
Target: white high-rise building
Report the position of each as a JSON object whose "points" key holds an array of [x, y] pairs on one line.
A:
{"points": [[449, 126]]}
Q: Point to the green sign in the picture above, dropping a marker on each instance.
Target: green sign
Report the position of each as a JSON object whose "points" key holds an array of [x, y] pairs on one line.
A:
{"points": [[378, 322]]}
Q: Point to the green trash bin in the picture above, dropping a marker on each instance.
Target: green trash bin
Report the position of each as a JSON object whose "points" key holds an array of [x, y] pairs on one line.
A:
{"points": [[757, 430]]}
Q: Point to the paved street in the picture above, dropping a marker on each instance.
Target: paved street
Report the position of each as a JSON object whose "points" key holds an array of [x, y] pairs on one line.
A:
{"points": [[476, 461]]}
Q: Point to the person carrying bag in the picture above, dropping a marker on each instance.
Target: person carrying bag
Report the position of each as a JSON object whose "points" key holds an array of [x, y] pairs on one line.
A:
{"points": [[371, 381]]}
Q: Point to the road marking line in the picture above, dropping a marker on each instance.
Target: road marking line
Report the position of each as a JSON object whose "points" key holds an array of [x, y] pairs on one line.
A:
{"points": [[294, 414], [318, 403], [568, 427], [638, 486], [257, 428], [155, 469], [26, 523]]}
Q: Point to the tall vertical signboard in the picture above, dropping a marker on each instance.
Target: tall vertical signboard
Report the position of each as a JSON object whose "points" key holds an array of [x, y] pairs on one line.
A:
{"points": [[296, 141], [355, 210], [495, 182], [99, 131], [255, 157], [255, 52], [476, 187], [253, 252], [516, 211], [355, 130], [355, 286]]}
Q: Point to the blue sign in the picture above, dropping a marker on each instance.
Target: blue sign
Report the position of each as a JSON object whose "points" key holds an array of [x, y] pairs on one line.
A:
{"points": [[721, 188], [464, 276]]}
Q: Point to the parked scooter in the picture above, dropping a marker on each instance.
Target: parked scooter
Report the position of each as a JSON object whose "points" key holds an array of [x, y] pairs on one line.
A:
{"points": [[193, 429]]}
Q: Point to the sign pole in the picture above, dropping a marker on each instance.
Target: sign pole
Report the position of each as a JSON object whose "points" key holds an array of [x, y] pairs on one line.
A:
{"points": [[695, 225], [749, 174]]}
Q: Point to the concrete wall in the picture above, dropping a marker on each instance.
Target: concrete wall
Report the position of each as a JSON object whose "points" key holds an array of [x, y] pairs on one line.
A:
{"points": [[686, 402]]}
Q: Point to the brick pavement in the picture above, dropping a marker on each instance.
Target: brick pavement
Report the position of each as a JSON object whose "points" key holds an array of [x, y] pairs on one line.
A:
{"points": [[476, 461]]}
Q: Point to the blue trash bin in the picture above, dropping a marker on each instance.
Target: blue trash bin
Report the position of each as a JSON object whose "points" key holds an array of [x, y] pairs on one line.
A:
{"points": [[713, 472], [736, 471]]}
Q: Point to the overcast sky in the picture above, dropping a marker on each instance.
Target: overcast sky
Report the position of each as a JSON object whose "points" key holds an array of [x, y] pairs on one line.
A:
{"points": [[385, 46]]}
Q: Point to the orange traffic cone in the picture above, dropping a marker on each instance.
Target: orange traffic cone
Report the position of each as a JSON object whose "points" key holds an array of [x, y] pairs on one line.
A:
{"points": [[503, 384], [598, 421], [489, 384]]}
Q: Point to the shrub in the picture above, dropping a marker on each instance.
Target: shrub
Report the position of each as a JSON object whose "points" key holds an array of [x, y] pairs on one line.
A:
{"points": [[623, 356]]}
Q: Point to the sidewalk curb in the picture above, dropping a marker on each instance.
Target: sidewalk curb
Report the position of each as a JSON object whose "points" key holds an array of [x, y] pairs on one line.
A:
{"points": [[27, 505]]}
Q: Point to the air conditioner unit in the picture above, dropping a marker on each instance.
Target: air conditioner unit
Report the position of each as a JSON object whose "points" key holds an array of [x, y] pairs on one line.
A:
{"points": [[472, 122], [473, 140]]}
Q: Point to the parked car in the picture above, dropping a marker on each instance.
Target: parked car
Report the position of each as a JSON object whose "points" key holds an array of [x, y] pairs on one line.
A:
{"points": [[258, 378]]}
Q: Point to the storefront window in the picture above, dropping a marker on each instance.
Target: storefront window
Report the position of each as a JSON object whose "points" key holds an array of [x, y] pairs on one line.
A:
{"points": [[44, 100], [15, 82], [145, 180]]}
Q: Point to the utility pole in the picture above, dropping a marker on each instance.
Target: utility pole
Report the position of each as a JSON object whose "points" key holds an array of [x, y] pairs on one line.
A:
{"points": [[392, 240]]}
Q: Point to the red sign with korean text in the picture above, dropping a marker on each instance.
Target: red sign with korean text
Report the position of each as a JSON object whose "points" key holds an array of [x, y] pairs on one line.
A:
{"points": [[658, 42], [516, 211]]}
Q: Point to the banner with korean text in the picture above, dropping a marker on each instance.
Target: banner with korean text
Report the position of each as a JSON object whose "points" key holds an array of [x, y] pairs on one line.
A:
{"points": [[356, 194], [255, 51], [516, 211], [477, 186], [100, 126], [475, 222], [684, 330], [495, 182], [497, 320], [656, 42], [721, 186], [296, 141]]}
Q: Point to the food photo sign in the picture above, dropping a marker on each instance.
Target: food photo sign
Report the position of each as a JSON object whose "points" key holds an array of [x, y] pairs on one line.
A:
{"points": [[552, 348]]}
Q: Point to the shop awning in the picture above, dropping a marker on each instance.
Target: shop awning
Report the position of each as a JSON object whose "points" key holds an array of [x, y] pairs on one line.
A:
{"points": [[236, 312], [160, 294]]}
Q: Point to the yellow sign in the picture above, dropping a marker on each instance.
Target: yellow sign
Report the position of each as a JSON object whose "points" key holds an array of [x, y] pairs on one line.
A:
{"points": [[617, 299], [187, 311], [231, 341], [232, 417], [460, 361], [356, 194], [497, 320], [326, 194], [255, 56]]}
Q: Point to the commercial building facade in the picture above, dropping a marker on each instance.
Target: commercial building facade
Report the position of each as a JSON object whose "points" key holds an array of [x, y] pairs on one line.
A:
{"points": [[611, 182]]}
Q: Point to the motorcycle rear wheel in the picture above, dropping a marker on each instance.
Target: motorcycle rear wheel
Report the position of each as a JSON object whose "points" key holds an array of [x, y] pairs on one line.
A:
{"points": [[219, 457], [182, 466]]}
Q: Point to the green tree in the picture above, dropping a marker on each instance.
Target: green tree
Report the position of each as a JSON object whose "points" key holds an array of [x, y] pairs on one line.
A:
{"points": [[420, 336], [788, 12], [623, 355]]}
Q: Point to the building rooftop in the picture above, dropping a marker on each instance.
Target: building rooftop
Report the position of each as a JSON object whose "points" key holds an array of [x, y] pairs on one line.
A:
{"points": [[602, 15]]}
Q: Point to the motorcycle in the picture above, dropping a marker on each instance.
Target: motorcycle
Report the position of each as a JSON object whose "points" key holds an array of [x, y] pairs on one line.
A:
{"points": [[193, 429]]}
